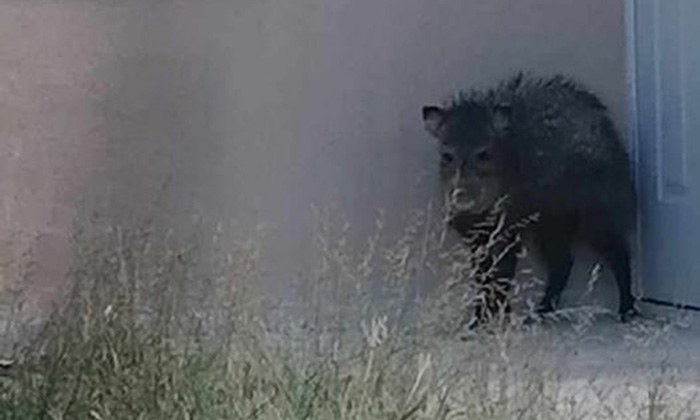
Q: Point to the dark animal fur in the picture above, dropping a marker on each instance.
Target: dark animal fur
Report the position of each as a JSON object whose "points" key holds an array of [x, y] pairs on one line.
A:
{"points": [[549, 145]]}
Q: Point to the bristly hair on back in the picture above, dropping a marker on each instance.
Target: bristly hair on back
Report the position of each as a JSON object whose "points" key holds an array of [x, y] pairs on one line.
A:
{"points": [[519, 85], [485, 97]]}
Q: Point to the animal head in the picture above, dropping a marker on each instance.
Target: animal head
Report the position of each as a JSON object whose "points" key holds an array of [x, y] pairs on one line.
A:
{"points": [[471, 153]]}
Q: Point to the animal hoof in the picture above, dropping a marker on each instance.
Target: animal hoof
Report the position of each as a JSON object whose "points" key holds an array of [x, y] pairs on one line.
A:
{"points": [[544, 309], [531, 320], [629, 314]]}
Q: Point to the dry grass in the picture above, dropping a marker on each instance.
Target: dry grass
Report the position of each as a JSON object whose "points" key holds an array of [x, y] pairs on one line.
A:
{"points": [[158, 327]]}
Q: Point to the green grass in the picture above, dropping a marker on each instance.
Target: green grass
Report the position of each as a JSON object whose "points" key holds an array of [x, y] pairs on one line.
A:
{"points": [[155, 328]]}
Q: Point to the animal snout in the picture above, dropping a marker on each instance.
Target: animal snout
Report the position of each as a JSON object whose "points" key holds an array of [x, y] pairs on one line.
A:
{"points": [[460, 197], [459, 194]]}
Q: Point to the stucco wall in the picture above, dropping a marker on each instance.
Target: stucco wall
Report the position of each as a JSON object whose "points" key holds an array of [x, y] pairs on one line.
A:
{"points": [[257, 109]]}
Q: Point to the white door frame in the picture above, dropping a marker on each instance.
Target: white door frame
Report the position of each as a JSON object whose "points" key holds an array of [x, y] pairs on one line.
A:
{"points": [[638, 244], [632, 136]]}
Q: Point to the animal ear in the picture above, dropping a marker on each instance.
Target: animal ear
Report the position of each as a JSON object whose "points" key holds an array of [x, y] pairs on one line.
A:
{"points": [[433, 120], [501, 118]]}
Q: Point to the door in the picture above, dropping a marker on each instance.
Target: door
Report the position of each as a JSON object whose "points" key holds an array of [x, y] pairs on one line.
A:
{"points": [[665, 63]]}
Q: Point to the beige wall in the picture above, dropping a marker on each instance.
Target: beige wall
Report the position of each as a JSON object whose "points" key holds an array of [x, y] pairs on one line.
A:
{"points": [[256, 109]]}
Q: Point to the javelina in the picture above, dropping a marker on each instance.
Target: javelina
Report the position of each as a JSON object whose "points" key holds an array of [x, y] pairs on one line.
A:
{"points": [[549, 147]]}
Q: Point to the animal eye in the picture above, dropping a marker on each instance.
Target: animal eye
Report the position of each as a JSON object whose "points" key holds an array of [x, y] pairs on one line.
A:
{"points": [[483, 155], [447, 158]]}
